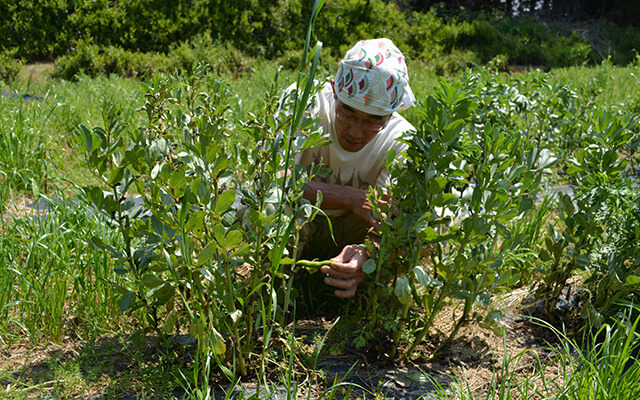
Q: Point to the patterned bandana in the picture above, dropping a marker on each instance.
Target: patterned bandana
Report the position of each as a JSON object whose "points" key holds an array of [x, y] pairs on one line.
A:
{"points": [[373, 78]]}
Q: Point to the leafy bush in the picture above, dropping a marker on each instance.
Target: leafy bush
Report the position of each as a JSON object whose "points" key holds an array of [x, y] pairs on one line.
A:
{"points": [[223, 58], [93, 60], [9, 65], [566, 51]]}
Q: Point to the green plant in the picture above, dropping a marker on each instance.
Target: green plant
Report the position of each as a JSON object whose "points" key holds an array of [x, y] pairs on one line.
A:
{"points": [[224, 58], [457, 191], [10, 66], [181, 244], [92, 60], [23, 161], [606, 365], [45, 260], [604, 225]]}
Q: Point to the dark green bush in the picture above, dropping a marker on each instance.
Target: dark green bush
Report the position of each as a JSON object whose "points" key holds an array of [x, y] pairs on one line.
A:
{"points": [[93, 60], [9, 65], [610, 40], [223, 58], [48, 29]]}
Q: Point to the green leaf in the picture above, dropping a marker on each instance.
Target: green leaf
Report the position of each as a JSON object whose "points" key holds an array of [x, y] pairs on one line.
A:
{"points": [[170, 323], [125, 301], [632, 280], [232, 239], [572, 169], [218, 233], [452, 131], [436, 185], [403, 288], [425, 279], [207, 253], [428, 234], [444, 199], [224, 201], [484, 299], [151, 280], [116, 175], [391, 156], [121, 269], [546, 159], [163, 293], [369, 266], [217, 340], [195, 223], [138, 337]]}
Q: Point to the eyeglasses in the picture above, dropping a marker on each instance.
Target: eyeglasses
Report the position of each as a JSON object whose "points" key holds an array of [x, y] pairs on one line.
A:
{"points": [[370, 126]]}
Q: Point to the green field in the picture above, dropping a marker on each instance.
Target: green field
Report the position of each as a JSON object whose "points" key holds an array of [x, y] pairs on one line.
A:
{"points": [[94, 292]]}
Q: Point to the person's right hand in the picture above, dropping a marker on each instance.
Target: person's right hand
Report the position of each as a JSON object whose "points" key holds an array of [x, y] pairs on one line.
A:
{"points": [[345, 273], [363, 208]]}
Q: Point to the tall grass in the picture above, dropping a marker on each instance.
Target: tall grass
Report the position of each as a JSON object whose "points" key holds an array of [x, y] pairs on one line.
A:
{"points": [[603, 364], [613, 84], [51, 280], [22, 150]]}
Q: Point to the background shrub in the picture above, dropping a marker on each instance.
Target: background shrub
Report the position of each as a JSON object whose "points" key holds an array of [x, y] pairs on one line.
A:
{"points": [[93, 60], [9, 66], [222, 57], [223, 32]]}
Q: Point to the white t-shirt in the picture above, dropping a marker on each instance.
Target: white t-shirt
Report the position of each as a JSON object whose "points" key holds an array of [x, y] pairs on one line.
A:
{"points": [[360, 169]]}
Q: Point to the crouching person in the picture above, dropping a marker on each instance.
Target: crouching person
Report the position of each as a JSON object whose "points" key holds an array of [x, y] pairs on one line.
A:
{"points": [[358, 112]]}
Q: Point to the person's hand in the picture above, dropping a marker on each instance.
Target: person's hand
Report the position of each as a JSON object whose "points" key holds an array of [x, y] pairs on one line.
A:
{"points": [[363, 209], [345, 273]]}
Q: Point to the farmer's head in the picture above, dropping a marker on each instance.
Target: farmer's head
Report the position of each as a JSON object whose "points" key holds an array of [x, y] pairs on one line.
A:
{"points": [[372, 82]]}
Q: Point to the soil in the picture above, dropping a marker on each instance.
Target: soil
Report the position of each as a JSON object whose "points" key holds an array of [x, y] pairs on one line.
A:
{"points": [[471, 362]]}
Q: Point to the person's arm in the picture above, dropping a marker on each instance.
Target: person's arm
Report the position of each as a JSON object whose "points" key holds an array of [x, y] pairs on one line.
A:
{"points": [[345, 273], [338, 197]]}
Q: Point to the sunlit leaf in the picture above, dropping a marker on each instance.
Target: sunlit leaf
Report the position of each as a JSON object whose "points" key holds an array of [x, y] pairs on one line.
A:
{"points": [[224, 201], [369, 266]]}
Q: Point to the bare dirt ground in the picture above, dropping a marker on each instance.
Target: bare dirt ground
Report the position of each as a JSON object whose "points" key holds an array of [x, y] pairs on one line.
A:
{"points": [[112, 367]]}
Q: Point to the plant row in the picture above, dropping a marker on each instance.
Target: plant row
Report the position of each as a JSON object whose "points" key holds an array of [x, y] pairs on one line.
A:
{"points": [[191, 229]]}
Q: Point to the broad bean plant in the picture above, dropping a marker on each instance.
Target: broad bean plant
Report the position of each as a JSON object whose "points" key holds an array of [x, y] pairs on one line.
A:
{"points": [[189, 261], [460, 185]]}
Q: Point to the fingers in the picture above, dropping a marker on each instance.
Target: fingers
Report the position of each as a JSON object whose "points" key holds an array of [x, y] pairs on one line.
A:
{"points": [[348, 286], [347, 272], [345, 294]]}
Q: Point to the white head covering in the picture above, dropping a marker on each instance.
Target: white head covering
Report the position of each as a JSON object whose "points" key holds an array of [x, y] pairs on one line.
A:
{"points": [[373, 78]]}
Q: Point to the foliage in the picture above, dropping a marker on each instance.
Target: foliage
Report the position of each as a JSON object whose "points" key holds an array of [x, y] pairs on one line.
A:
{"points": [[460, 187], [139, 30], [186, 260], [224, 59], [50, 289], [93, 60], [23, 161], [54, 280], [606, 200], [9, 66]]}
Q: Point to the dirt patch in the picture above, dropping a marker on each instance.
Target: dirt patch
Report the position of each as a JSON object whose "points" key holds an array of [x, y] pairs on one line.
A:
{"points": [[35, 73], [17, 206], [475, 361]]}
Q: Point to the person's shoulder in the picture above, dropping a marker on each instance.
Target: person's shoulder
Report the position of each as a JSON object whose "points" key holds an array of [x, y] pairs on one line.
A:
{"points": [[398, 125], [326, 92]]}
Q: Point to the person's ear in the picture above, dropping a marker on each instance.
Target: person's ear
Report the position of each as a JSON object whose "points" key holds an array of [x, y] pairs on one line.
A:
{"points": [[332, 87]]}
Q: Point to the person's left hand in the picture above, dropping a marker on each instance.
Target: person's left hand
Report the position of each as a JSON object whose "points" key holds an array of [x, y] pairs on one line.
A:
{"points": [[346, 271]]}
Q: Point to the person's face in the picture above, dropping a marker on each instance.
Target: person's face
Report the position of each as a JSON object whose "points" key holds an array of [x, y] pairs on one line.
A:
{"points": [[356, 128]]}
